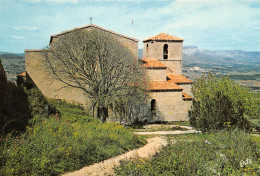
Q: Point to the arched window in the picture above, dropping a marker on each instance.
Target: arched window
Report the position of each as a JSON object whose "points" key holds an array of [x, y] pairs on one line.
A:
{"points": [[165, 51], [153, 105]]}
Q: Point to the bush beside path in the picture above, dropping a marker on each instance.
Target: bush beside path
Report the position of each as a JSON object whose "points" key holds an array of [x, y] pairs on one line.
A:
{"points": [[153, 146]]}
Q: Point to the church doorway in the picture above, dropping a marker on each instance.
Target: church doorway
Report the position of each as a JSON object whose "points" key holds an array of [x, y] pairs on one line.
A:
{"points": [[153, 108]]}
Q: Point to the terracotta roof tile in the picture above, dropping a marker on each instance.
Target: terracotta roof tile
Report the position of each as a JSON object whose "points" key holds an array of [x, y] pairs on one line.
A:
{"points": [[163, 85], [163, 36], [179, 79], [22, 74], [186, 96], [148, 63]]}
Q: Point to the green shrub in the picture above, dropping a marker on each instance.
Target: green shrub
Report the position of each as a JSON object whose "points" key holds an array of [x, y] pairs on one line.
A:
{"points": [[222, 153], [220, 100], [64, 104], [18, 105], [70, 112], [38, 103], [74, 115], [55, 145], [14, 108], [39, 107]]}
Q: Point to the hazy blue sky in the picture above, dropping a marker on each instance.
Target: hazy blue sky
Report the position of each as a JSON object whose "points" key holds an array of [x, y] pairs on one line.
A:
{"points": [[209, 24]]}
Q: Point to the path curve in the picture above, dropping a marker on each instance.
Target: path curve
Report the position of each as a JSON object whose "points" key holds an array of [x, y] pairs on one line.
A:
{"points": [[166, 132], [106, 167], [156, 126]]}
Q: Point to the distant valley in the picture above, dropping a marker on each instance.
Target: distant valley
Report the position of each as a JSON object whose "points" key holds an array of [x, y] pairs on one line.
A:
{"points": [[13, 64], [242, 66]]}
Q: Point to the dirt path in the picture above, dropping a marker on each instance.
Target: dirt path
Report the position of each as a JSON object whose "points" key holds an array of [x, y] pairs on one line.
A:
{"points": [[106, 167], [153, 145]]}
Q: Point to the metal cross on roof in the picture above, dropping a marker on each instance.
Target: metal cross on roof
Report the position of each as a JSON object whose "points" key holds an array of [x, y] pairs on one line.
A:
{"points": [[90, 20]]}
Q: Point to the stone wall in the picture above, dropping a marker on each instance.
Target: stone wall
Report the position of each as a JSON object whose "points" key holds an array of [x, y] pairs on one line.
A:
{"points": [[156, 74], [170, 106], [155, 51], [186, 88], [130, 44], [37, 74], [173, 66]]}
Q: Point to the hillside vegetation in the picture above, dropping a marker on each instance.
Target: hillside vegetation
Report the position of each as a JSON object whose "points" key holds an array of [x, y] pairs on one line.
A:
{"points": [[60, 137], [222, 153]]}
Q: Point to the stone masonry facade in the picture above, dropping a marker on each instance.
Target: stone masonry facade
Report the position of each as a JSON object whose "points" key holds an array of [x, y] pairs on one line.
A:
{"points": [[37, 75], [170, 91]]}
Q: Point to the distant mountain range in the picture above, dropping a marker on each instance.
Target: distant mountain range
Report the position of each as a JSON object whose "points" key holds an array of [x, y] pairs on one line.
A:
{"points": [[193, 54], [241, 65]]}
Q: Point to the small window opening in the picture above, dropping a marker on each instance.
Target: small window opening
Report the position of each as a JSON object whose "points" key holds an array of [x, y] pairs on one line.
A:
{"points": [[153, 105], [165, 51], [147, 50]]}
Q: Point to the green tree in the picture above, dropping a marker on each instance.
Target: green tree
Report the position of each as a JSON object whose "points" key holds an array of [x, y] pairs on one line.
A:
{"points": [[218, 101], [96, 63]]}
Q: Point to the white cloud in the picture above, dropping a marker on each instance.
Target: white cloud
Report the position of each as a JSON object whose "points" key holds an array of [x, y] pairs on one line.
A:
{"points": [[207, 23], [25, 28], [17, 37], [217, 24], [33, 1], [53, 1]]}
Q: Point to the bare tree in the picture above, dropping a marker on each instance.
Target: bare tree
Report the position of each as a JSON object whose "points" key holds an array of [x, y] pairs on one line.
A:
{"points": [[96, 63], [134, 107]]}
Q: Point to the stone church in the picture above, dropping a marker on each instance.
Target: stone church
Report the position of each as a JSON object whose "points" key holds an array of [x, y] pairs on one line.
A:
{"points": [[170, 90]]}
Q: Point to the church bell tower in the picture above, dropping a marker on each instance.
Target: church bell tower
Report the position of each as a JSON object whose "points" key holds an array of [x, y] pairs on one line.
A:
{"points": [[166, 49]]}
